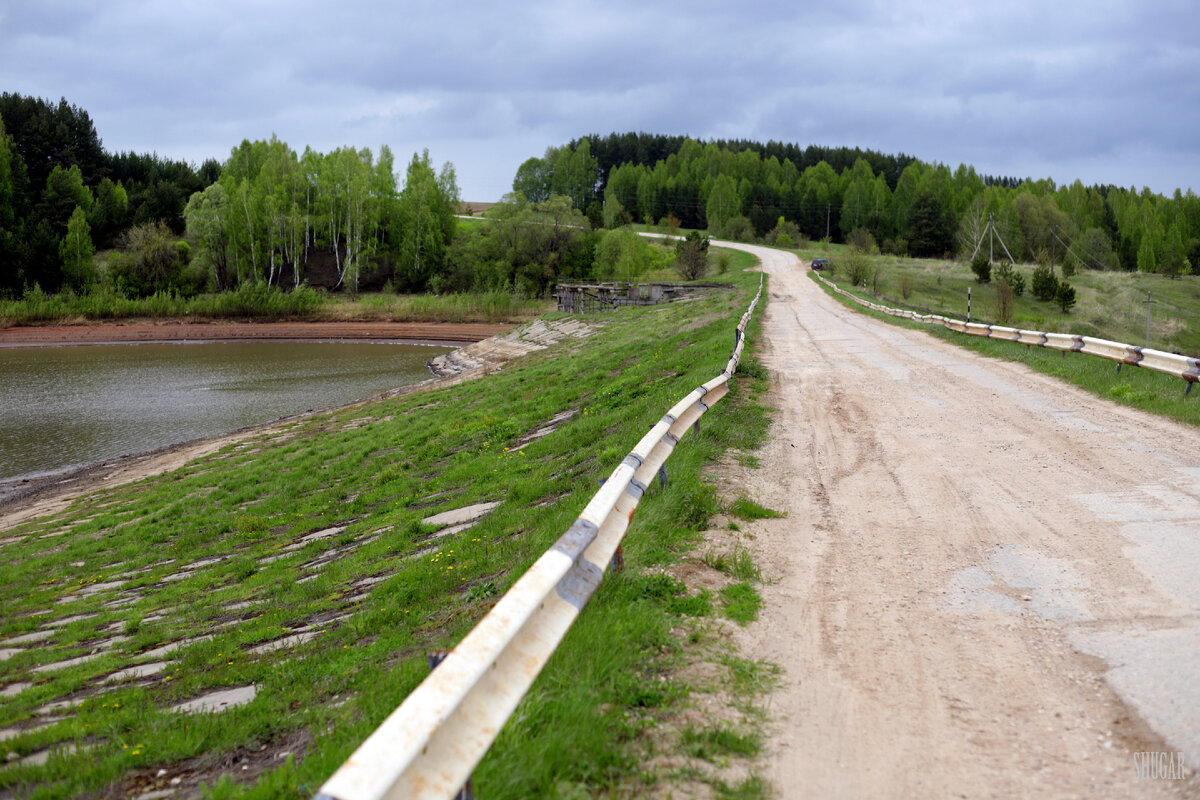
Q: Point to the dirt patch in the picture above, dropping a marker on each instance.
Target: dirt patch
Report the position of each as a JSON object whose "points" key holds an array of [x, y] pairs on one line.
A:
{"points": [[244, 765], [416, 332]]}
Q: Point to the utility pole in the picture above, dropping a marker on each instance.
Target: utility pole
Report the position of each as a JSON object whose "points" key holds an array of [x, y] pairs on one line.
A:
{"points": [[1053, 237], [991, 228], [828, 206], [1148, 320]]}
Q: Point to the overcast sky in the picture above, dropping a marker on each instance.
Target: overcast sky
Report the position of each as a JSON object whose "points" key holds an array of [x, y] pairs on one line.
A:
{"points": [[1107, 91]]}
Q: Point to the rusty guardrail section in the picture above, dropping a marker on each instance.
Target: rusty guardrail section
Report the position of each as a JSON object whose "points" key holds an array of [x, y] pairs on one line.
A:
{"points": [[428, 746], [1156, 360]]}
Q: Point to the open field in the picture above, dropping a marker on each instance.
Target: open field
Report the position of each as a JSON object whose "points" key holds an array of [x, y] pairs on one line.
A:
{"points": [[243, 622], [1110, 305]]}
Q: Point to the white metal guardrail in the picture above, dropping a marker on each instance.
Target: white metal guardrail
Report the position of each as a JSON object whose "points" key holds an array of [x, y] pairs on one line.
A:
{"points": [[1168, 363], [428, 746]]}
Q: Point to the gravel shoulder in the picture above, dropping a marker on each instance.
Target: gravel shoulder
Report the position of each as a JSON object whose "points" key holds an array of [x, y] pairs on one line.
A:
{"points": [[985, 582]]}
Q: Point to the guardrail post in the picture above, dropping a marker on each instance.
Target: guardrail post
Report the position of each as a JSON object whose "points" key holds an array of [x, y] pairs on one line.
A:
{"points": [[618, 560], [467, 792]]}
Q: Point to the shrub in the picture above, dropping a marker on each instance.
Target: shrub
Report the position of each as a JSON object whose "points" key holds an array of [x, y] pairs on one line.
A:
{"points": [[723, 262], [861, 239], [149, 261], [1004, 301], [1064, 296], [982, 268], [691, 256], [858, 268], [739, 229], [1006, 273], [785, 234], [1045, 284]]}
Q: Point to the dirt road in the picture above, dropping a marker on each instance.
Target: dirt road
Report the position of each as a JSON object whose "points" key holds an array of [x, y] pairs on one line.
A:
{"points": [[987, 581]]}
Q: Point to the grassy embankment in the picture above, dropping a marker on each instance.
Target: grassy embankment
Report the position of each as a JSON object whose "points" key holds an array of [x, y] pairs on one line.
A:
{"points": [[1110, 306], [184, 556]]}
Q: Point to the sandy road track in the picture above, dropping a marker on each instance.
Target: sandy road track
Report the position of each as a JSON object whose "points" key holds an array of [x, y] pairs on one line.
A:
{"points": [[988, 582]]}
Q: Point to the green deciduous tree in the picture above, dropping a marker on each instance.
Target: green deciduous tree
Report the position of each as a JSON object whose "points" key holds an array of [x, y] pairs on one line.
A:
{"points": [[208, 221], [532, 180], [691, 256], [426, 221], [150, 260], [723, 204], [623, 255], [76, 252]]}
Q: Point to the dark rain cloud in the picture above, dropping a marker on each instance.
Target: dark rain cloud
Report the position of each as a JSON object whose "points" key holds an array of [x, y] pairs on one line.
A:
{"points": [[1107, 91]]}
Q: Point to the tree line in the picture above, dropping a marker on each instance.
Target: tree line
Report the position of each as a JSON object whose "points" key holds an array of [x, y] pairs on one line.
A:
{"points": [[745, 191], [264, 216], [275, 217], [53, 164]]}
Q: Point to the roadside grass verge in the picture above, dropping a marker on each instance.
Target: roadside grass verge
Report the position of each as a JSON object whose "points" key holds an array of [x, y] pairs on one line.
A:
{"points": [[1110, 305], [1132, 386], [297, 562]]}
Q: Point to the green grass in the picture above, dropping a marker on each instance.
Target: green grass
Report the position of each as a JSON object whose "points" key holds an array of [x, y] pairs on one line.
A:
{"points": [[737, 563], [1131, 386], [742, 602], [392, 594], [711, 743], [754, 787], [1110, 305], [745, 508]]}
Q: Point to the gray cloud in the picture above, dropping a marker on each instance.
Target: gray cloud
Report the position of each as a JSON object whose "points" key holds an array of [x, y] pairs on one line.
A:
{"points": [[1107, 91]]}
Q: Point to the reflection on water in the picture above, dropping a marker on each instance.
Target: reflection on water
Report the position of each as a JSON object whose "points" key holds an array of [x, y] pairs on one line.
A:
{"points": [[64, 406]]}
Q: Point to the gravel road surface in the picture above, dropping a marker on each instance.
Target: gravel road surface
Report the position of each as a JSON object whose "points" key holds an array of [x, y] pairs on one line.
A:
{"points": [[988, 582]]}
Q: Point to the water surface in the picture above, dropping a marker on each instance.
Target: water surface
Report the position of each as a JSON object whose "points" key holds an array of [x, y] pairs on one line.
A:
{"points": [[69, 405]]}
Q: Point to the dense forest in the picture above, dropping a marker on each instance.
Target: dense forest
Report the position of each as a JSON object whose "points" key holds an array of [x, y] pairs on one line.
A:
{"points": [[743, 190], [271, 217], [56, 178]]}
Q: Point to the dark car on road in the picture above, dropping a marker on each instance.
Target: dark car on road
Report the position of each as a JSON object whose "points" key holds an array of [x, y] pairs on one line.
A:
{"points": [[820, 263]]}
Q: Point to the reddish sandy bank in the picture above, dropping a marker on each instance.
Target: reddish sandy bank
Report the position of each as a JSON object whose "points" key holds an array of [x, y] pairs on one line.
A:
{"points": [[436, 332]]}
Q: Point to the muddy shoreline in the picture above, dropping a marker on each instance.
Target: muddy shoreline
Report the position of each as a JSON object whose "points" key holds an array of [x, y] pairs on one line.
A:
{"points": [[490, 348], [142, 331]]}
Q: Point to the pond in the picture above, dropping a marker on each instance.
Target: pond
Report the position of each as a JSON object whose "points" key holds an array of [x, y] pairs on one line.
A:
{"points": [[65, 406]]}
